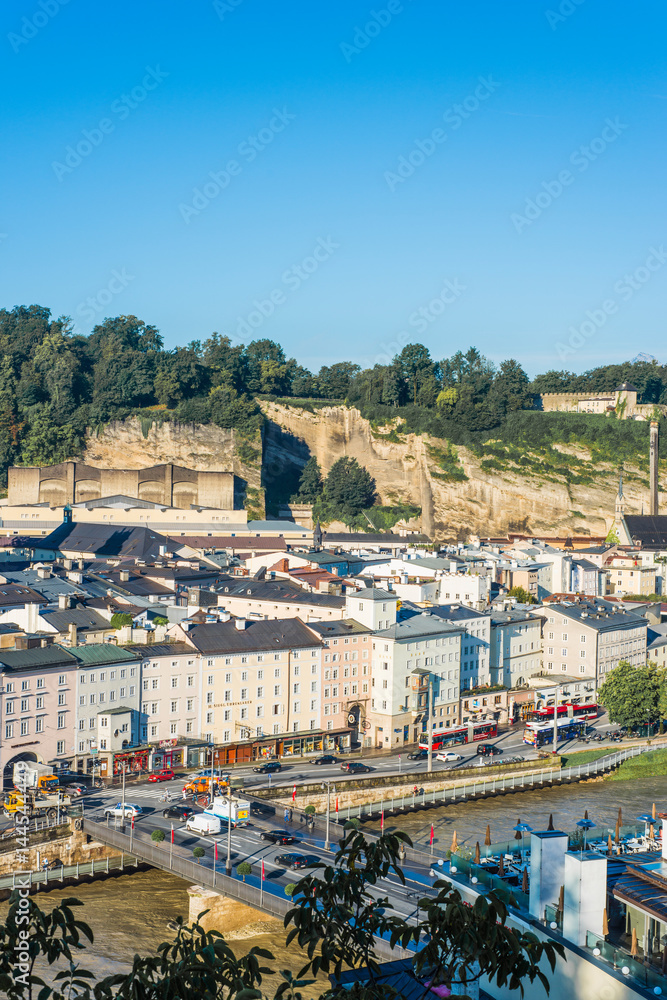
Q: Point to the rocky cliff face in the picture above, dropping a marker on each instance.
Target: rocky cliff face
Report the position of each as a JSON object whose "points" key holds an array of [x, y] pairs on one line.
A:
{"points": [[409, 467], [137, 444]]}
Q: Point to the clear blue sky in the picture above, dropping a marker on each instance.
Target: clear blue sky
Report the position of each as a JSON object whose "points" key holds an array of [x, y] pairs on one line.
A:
{"points": [[360, 100]]}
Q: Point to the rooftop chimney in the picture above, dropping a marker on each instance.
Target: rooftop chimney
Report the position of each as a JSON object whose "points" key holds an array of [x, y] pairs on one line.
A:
{"points": [[73, 637], [654, 467], [124, 575], [64, 602], [241, 624]]}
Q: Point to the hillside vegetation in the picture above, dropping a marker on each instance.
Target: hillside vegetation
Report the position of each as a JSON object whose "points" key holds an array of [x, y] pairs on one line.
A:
{"points": [[56, 384]]}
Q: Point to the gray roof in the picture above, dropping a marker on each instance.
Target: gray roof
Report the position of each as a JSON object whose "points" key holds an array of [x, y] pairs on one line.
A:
{"points": [[373, 594], [289, 526], [102, 540], [12, 594], [412, 628], [513, 616], [274, 634], [120, 710], [456, 612], [586, 564], [81, 617], [599, 615], [656, 636], [160, 649], [39, 656], [329, 557], [344, 626], [372, 538], [279, 591]]}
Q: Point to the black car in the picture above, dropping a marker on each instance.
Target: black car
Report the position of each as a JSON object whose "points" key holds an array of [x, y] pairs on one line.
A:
{"points": [[269, 768], [488, 750], [327, 758], [418, 755], [354, 767], [278, 836], [293, 861], [178, 812]]}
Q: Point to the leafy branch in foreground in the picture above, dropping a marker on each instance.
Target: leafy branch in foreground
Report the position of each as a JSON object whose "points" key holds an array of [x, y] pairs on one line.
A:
{"points": [[339, 913]]}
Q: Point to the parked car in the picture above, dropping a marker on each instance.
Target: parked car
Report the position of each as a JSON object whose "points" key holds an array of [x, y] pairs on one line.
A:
{"points": [[355, 767], [487, 750], [178, 812], [270, 767], [130, 810], [327, 758], [293, 861], [166, 775], [447, 756], [278, 836], [418, 755]]}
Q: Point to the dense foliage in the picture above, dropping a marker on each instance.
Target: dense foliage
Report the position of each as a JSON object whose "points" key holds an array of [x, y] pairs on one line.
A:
{"points": [[55, 383], [344, 495], [635, 696], [335, 919]]}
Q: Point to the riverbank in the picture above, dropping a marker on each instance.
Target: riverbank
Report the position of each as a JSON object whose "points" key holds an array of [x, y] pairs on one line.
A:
{"points": [[648, 765]]}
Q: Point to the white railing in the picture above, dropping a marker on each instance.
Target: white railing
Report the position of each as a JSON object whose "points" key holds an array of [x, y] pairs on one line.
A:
{"points": [[484, 787]]}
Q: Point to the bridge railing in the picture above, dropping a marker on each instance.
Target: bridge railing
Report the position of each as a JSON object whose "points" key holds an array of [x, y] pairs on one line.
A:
{"points": [[489, 786]]}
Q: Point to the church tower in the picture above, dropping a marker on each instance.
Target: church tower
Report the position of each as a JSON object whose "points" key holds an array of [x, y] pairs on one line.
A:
{"points": [[620, 502]]}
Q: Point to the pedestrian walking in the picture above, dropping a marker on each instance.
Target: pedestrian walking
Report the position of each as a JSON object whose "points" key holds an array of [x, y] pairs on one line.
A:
{"points": [[291, 813], [185, 795]]}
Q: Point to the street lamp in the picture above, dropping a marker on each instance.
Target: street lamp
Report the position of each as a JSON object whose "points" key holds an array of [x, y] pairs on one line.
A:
{"points": [[326, 841], [122, 804], [228, 863]]}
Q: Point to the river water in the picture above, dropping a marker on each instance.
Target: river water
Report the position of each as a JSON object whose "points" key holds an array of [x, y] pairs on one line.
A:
{"points": [[130, 913]]}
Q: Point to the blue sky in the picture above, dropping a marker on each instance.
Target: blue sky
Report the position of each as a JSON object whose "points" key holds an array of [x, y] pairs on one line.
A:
{"points": [[116, 114]]}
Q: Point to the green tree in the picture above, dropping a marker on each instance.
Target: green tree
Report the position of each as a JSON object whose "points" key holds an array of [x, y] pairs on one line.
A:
{"points": [[310, 483], [416, 367], [334, 380], [120, 618], [522, 595], [632, 695], [349, 488], [290, 889], [228, 408], [245, 868], [157, 836], [198, 853]]}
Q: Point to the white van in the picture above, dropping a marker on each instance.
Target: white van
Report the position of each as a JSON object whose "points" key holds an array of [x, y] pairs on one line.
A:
{"points": [[204, 824]]}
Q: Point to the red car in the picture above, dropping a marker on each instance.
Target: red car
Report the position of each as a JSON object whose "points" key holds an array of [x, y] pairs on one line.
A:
{"points": [[165, 775]]}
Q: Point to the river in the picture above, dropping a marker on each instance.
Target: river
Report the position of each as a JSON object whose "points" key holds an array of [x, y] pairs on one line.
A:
{"points": [[130, 913]]}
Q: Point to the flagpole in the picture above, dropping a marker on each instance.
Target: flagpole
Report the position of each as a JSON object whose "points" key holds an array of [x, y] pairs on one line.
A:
{"points": [[261, 886], [171, 845], [431, 840]]}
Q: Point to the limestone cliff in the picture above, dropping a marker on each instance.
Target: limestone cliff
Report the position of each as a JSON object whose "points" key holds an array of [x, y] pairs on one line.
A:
{"points": [[458, 498], [139, 444]]}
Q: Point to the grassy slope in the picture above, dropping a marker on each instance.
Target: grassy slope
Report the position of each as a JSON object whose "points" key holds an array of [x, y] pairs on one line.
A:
{"points": [[647, 765]]}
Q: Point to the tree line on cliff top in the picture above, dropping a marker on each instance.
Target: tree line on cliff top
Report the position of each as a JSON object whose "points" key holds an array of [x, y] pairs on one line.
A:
{"points": [[55, 383]]}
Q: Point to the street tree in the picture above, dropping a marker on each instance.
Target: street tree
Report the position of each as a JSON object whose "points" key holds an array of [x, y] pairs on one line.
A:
{"points": [[310, 483], [633, 695]]}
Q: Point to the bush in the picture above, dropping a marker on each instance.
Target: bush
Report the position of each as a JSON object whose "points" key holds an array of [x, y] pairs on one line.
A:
{"points": [[245, 868], [310, 810], [198, 853], [353, 824], [290, 889], [157, 836]]}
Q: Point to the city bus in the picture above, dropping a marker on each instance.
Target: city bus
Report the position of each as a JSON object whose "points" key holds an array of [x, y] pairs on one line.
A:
{"points": [[450, 737], [536, 734], [586, 711]]}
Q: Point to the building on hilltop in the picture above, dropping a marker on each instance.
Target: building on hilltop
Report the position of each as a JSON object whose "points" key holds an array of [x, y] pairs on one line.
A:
{"points": [[622, 401]]}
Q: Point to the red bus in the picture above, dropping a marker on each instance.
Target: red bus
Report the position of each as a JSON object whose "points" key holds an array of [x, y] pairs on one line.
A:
{"points": [[450, 737], [578, 711]]}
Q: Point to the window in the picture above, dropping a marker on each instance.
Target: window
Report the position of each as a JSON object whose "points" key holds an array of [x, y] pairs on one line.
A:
{"points": [[244, 694], [260, 692], [260, 675], [24, 727], [188, 727], [61, 678], [61, 720], [25, 685], [189, 704], [228, 678], [260, 711], [145, 685], [24, 704], [9, 731], [61, 699], [209, 680], [60, 747], [9, 708], [244, 674], [276, 689], [172, 728], [209, 717], [191, 680], [154, 730], [228, 714], [174, 682], [276, 672], [174, 706], [156, 683], [209, 697]]}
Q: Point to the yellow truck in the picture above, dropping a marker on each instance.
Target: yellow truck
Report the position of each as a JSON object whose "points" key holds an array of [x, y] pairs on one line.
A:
{"points": [[29, 774], [200, 784], [35, 804]]}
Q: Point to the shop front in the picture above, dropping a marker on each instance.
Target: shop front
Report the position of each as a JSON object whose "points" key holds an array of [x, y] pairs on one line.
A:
{"points": [[134, 761], [181, 752], [284, 745]]}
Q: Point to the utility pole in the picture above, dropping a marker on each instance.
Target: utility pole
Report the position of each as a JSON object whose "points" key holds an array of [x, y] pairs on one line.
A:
{"points": [[326, 840], [429, 723], [555, 736], [123, 802], [228, 863]]}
